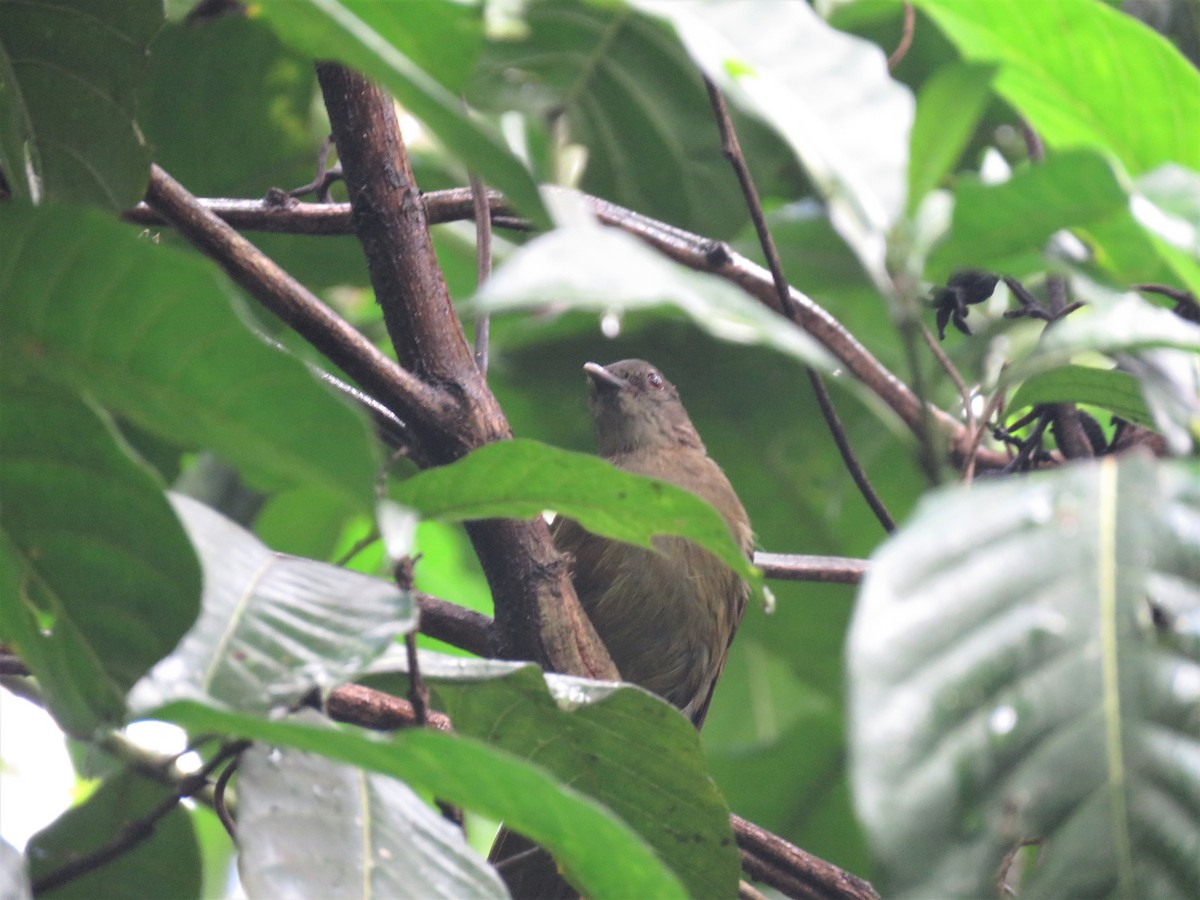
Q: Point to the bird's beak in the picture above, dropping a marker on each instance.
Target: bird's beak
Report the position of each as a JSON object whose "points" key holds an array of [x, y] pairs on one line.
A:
{"points": [[602, 379]]}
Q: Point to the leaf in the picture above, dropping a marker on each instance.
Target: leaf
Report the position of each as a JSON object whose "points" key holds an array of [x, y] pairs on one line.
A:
{"points": [[521, 478], [166, 864], [273, 627], [1114, 85], [372, 38], [309, 827], [70, 70], [148, 332], [1111, 324], [1111, 389], [948, 108], [1024, 665], [583, 836], [104, 581], [586, 267], [828, 94], [632, 96], [1003, 227], [626, 748]]}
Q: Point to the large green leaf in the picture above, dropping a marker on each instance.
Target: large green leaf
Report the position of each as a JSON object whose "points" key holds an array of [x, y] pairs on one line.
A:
{"points": [[104, 581], [583, 836], [632, 96], [621, 746], [827, 93], [523, 478], [1084, 74], [273, 627], [1025, 665], [69, 73], [309, 827], [602, 269], [1004, 227], [148, 332], [381, 40], [166, 864]]}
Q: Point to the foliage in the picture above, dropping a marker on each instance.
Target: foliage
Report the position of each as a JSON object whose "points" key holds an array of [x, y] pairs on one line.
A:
{"points": [[1021, 665]]}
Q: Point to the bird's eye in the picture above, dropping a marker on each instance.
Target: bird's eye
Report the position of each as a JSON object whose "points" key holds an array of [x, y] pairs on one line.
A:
{"points": [[655, 380]]}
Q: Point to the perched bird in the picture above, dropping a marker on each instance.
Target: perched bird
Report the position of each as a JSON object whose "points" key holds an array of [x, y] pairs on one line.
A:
{"points": [[667, 615]]}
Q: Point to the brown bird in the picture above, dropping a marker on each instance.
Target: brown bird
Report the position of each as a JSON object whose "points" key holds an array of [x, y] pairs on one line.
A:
{"points": [[667, 615]]}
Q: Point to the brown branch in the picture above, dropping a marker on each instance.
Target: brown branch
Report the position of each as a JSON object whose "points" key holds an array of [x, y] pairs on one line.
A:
{"points": [[369, 708], [798, 567], [769, 858], [538, 616], [691, 250]]}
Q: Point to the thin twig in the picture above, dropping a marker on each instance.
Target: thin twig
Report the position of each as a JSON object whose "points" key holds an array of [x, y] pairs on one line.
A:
{"points": [[732, 151], [906, 37], [219, 805]]}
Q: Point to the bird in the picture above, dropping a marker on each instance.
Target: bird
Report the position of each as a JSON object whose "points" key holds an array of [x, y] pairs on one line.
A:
{"points": [[667, 615]]}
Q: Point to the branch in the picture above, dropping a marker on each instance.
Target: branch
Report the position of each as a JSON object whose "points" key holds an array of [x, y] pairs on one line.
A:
{"points": [[538, 616], [695, 252]]}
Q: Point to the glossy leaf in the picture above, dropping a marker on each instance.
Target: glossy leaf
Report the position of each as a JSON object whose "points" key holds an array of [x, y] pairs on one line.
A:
{"points": [[273, 627], [105, 582], [1025, 665], [149, 332], [619, 745], [601, 269], [522, 478], [584, 837], [70, 70], [309, 827], [827, 93]]}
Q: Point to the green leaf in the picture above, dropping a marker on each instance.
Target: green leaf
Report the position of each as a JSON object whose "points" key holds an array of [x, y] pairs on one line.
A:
{"points": [[69, 74], [632, 96], [583, 836], [106, 581], [166, 864], [629, 750], [148, 331], [1003, 227], [1084, 75], [1111, 389], [308, 827], [1114, 324], [521, 478], [273, 627], [602, 269], [1025, 665], [373, 38], [828, 94], [948, 109]]}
